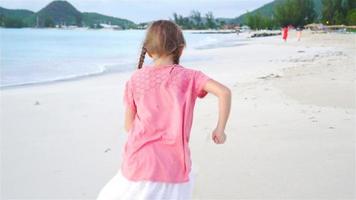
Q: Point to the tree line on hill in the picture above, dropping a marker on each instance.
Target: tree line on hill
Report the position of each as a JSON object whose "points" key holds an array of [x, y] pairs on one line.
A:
{"points": [[301, 12], [196, 21]]}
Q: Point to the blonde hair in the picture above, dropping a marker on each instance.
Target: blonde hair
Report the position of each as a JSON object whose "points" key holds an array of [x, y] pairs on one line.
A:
{"points": [[163, 38]]}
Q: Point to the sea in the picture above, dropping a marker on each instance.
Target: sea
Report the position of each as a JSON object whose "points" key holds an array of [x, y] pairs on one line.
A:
{"points": [[35, 56]]}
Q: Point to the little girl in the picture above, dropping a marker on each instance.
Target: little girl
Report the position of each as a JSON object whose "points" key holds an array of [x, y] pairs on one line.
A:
{"points": [[159, 102]]}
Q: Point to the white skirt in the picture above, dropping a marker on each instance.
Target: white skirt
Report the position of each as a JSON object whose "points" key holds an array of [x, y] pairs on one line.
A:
{"points": [[120, 188]]}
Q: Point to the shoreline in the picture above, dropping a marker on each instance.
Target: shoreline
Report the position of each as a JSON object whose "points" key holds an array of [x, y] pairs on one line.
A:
{"points": [[108, 69], [62, 80]]}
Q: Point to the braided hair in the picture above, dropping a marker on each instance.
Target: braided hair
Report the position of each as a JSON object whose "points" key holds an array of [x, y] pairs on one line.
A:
{"points": [[142, 58], [163, 38]]}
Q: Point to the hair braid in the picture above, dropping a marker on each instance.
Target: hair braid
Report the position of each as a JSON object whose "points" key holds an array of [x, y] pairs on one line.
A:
{"points": [[176, 56], [142, 58]]}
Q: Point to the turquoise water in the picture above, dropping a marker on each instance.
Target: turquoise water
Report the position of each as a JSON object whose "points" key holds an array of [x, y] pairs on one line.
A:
{"points": [[30, 56]]}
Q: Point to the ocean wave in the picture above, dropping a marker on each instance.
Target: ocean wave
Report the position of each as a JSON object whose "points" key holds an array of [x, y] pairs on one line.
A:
{"points": [[103, 69]]}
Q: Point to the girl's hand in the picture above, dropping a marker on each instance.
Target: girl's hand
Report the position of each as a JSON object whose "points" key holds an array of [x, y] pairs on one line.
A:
{"points": [[219, 136], [224, 95]]}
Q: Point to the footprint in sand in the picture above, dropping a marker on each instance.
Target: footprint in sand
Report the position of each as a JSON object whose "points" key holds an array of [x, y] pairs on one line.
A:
{"points": [[270, 76], [347, 112]]}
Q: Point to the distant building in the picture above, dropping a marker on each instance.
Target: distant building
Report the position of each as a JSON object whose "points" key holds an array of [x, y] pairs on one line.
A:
{"points": [[244, 28], [63, 25], [109, 26], [142, 26]]}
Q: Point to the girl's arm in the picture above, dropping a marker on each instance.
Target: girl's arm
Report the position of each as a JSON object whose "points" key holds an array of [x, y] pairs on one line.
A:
{"points": [[129, 118], [224, 95]]}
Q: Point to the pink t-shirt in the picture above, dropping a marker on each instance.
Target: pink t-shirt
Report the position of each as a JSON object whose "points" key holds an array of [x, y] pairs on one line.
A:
{"points": [[157, 145]]}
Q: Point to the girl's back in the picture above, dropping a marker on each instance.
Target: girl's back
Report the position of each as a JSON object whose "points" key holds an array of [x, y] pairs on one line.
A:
{"points": [[163, 98]]}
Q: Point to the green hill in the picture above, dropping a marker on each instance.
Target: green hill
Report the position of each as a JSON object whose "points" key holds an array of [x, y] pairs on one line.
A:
{"points": [[15, 13], [57, 13], [13, 17], [267, 10]]}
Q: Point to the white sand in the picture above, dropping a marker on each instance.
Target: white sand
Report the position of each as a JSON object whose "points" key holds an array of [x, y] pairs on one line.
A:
{"points": [[291, 134]]}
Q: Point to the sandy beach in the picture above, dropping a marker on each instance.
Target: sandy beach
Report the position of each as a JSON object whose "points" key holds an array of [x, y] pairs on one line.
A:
{"points": [[291, 132]]}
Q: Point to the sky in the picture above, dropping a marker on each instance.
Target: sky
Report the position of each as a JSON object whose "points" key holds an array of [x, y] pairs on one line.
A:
{"points": [[147, 10]]}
